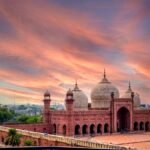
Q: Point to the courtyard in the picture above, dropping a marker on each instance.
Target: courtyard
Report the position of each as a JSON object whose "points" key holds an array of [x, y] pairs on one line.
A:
{"points": [[141, 141]]}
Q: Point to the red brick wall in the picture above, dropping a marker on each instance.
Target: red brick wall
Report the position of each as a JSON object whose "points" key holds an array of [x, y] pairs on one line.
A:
{"points": [[44, 128], [36, 141]]}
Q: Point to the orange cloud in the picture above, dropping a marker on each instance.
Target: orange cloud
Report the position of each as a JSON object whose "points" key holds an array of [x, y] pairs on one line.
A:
{"points": [[53, 46]]}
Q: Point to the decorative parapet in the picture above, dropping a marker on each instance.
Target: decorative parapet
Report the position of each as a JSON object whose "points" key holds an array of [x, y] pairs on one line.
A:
{"points": [[67, 140]]}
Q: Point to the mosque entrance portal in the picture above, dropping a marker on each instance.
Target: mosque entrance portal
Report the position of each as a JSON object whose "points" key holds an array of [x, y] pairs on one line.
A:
{"points": [[123, 120]]}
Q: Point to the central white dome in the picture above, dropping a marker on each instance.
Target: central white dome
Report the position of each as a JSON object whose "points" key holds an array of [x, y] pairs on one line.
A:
{"points": [[80, 99], [101, 94]]}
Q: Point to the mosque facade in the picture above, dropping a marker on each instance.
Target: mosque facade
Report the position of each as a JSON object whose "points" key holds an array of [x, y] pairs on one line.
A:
{"points": [[107, 113]]}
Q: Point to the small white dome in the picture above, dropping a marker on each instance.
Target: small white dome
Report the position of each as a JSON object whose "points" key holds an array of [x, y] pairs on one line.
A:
{"points": [[101, 94], [80, 99], [136, 98]]}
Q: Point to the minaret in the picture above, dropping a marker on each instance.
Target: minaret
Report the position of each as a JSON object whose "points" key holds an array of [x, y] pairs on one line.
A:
{"points": [[69, 108], [46, 112], [69, 100]]}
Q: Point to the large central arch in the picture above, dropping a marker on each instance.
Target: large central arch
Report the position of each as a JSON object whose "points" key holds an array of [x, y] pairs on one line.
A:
{"points": [[123, 119]]}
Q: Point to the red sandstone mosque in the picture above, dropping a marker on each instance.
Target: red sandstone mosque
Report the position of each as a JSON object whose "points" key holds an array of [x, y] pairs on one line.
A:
{"points": [[107, 113]]}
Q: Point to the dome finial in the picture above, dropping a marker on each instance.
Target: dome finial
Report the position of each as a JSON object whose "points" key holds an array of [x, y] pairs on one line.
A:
{"points": [[104, 73], [129, 88], [104, 80], [76, 88], [76, 82], [129, 85]]}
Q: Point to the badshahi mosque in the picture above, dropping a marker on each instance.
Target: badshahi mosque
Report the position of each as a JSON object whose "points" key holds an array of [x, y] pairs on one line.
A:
{"points": [[107, 113]]}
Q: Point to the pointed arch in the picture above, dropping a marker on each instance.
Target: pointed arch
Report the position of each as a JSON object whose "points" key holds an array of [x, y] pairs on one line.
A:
{"points": [[141, 125], [77, 130], [84, 129], [54, 128], [106, 128], [99, 128], [147, 126], [135, 126], [64, 129], [123, 117], [92, 129]]}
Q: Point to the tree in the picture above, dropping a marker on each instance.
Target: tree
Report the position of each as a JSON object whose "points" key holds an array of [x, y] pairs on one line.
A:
{"points": [[22, 118], [5, 115], [28, 143], [32, 119], [13, 138], [29, 119]]}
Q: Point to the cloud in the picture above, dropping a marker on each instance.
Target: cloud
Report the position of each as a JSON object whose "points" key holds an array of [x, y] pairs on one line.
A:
{"points": [[45, 45]]}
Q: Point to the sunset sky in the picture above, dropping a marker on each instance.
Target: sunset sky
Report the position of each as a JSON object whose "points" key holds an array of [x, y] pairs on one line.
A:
{"points": [[49, 44]]}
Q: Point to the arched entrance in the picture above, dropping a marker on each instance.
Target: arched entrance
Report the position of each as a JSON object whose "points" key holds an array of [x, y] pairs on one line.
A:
{"points": [[135, 126], [123, 120], [92, 127], [64, 129], [147, 127], [99, 128], [106, 128], [84, 129], [77, 130]]}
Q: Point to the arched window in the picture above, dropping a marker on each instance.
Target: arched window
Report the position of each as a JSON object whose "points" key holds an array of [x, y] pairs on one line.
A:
{"points": [[135, 126], [92, 129], [147, 126], [99, 128], [64, 129], [106, 128], [84, 129], [141, 126], [77, 130], [54, 128]]}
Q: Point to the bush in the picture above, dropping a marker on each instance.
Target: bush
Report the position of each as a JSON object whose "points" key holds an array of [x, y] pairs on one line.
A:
{"points": [[13, 138], [28, 143]]}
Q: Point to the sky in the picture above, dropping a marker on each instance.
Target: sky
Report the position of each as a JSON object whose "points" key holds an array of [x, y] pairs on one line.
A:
{"points": [[49, 44]]}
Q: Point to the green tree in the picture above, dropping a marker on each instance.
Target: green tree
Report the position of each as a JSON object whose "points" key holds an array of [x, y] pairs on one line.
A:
{"points": [[5, 115], [32, 119], [29, 119], [13, 138], [22, 118], [28, 143]]}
